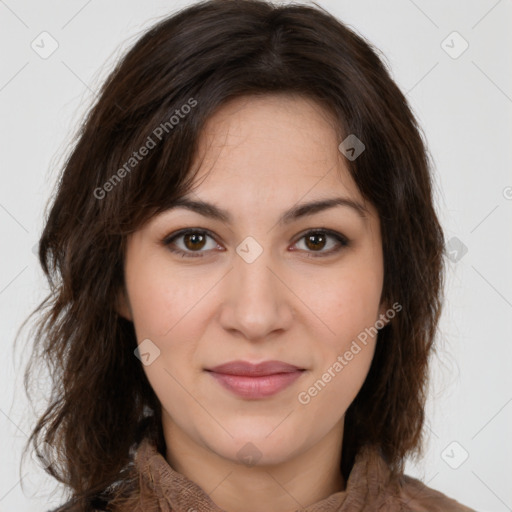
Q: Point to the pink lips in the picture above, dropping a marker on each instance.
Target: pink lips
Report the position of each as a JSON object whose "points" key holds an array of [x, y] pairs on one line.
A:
{"points": [[255, 380]]}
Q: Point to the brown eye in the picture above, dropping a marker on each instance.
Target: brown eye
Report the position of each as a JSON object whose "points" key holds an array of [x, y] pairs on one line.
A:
{"points": [[316, 241], [190, 242], [194, 241]]}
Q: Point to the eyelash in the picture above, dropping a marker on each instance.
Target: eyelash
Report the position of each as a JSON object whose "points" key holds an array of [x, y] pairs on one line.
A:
{"points": [[168, 241]]}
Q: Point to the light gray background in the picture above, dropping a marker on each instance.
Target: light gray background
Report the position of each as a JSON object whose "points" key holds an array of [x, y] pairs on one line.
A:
{"points": [[465, 107]]}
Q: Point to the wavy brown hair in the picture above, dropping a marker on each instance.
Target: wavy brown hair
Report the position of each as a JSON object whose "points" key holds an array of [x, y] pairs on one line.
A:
{"points": [[101, 403]]}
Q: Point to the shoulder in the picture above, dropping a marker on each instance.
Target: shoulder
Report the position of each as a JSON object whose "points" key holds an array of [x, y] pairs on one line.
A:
{"points": [[420, 498]]}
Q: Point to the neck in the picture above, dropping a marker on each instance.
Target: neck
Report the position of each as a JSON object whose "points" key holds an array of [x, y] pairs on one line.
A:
{"points": [[312, 474]]}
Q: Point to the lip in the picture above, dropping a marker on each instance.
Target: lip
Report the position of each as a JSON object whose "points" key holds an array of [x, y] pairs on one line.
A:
{"points": [[260, 380], [248, 369]]}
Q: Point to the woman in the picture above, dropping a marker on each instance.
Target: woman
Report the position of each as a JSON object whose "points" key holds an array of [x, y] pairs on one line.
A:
{"points": [[246, 274]]}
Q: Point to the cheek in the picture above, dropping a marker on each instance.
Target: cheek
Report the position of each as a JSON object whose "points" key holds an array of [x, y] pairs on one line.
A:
{"points": [[163, 312], [165, 309], [348, 303], [343, 355], [330, 393], [161, 298]]}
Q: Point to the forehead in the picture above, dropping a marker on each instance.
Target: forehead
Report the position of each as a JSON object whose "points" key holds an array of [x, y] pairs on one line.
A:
{"points": [[272, 143]]}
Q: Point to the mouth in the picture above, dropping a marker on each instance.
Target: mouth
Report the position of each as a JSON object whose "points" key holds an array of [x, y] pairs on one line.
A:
{"points": [[255, 381]]}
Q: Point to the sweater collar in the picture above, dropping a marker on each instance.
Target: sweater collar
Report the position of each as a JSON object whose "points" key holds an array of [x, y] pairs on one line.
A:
{"points": [[170, 490]]}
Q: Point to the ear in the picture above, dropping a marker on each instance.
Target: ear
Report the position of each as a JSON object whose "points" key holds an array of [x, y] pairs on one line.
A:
{"points": [[122, 305]]}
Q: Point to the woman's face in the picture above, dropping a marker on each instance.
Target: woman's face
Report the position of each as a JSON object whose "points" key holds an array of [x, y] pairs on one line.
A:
{"points": [[259, 286]]}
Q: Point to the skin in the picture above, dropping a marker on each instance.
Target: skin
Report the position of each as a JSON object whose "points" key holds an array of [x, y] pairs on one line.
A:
{"points": [[259, 157]]}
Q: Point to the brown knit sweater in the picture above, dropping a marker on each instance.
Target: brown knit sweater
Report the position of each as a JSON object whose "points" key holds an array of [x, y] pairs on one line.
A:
{"points": [[370, 487], [156, 487]]}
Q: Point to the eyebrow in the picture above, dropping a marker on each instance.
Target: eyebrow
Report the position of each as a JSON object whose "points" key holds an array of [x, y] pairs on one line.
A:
{"points": [[301, 210]]}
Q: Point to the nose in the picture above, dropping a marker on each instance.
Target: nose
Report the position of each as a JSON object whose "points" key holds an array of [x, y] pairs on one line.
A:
{"points": [[257, 302]]}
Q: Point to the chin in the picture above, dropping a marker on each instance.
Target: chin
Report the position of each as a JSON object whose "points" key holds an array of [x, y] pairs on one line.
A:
{"points": [[254, 446]]}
